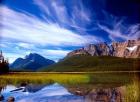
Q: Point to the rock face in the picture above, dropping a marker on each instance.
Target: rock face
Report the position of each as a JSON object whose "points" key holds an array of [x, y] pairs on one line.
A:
{"points": [[128, 49]]}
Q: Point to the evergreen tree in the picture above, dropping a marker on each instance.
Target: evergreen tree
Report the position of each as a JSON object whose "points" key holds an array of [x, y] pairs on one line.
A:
{"points": [[4, 65]]}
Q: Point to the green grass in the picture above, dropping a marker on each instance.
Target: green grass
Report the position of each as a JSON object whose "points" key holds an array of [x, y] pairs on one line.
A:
{"points": [[84, 63], [133, 90], [43, 78], [65, 78]]}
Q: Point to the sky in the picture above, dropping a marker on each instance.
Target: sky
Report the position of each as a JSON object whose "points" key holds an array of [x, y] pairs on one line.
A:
{"points": [[53, 28]]}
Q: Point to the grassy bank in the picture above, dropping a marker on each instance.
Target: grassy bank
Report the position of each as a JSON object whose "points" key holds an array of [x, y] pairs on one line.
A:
{"points": [[84, 63], [65, 78], [43, 78]]}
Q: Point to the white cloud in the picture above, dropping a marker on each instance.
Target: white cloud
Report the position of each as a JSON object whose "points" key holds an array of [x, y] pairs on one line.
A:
{"points": [[78, 17], [120, 29], [23, 30], [113, 34], [81, 13], [42, 6], [3, 45], [61, 12], [134, 31], [56, 52], [30, 29], [13, 56], [50, 54], [26, 45]]}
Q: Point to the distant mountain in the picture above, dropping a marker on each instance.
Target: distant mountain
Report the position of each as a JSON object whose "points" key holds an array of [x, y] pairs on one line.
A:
{"points": [[31, 62], [127, 49]]}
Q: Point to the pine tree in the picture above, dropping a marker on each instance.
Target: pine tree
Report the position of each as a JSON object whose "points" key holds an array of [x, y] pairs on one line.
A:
{"points": [[4, 65]]}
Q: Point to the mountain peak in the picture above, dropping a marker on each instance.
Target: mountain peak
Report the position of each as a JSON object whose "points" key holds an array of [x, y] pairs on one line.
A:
{"points": [[33, 61], [128, 49], [32, 55]]}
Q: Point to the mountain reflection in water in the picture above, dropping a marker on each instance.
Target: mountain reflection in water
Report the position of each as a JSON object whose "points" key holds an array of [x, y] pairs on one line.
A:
{"points": [[50, 93], [95, 91], [58, 93]]}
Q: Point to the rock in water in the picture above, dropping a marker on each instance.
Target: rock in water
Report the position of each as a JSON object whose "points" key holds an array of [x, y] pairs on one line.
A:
{"points": [[1, 98], [11, 99]]}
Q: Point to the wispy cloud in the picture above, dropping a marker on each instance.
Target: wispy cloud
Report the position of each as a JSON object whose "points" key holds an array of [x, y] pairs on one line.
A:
{"points": [[58, 25], [30, 29], [117, 28], [26, 45], [15, 50], [60, 11], [3, 45], [42, 6], [76, 16], [24, 31], [13, 56], [55, 54]]}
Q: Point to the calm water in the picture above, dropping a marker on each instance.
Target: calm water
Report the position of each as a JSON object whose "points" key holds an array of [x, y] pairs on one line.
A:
{"points": [[106, 88]]}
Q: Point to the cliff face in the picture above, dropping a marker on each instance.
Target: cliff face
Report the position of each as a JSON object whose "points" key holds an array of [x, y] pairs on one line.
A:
{"points": [[128, 49]]}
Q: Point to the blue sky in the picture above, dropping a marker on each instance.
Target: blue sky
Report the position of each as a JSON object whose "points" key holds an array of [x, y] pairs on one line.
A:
{"points": [[53, 28]]}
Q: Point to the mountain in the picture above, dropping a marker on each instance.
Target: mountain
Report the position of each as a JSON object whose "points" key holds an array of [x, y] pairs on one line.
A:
{"points": [[31, 62], [118, 56], [127, 49]]}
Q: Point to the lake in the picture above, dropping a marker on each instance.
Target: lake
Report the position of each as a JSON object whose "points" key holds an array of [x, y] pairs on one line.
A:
{"points": [[71, 87]]}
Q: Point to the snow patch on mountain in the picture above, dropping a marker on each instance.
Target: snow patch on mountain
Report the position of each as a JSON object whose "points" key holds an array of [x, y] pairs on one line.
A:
{"points": [[131, 49]]}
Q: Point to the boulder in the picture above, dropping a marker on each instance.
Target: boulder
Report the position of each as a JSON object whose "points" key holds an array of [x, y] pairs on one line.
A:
{"points": [[11, 99]]}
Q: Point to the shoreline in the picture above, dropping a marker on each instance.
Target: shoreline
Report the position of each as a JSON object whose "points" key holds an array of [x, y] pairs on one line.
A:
{"points": [[76, 72]]}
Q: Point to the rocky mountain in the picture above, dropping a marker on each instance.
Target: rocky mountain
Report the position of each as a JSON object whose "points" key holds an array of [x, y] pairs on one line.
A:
{"points": [[127, 49], [31, 62]]}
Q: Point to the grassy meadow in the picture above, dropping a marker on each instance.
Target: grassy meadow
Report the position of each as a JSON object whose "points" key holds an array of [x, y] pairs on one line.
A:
{"points": [[43, 78], [65, 78], [85, 63]]}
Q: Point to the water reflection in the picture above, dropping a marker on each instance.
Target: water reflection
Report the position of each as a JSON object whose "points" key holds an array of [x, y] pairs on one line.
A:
{"points": [[50, 93], [105, 90], [59, 93]]}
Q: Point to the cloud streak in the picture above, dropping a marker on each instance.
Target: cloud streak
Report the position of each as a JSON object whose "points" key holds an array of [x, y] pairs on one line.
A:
{"points": [[32, 30], [75, 16], [59, 24], [119, 29], [24, 31]]}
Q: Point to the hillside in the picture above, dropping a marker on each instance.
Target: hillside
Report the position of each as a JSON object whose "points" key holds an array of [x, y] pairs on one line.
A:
{"points": [[87, 63]]}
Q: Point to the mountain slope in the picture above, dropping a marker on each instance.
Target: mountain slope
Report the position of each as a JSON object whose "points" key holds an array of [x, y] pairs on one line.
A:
{"points": [[87, 63], [31, 62]]}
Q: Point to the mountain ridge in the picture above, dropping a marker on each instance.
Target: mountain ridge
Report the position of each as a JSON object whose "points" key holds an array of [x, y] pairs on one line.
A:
{"points": [[127, 49], [119, 56], [32, 62]]}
